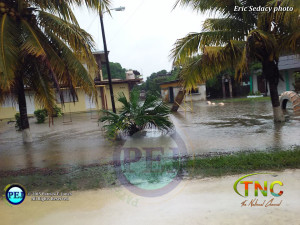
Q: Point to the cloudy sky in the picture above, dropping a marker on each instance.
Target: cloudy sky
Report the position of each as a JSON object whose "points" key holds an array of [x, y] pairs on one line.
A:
{"points": [[142, 36]]}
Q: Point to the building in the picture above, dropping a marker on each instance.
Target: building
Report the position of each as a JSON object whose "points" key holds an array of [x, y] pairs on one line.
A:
{"points": [[169, 91], [288, 66], [82, 103]]}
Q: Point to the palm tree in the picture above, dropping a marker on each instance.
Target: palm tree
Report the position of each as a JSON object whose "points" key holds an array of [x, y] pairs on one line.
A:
{"points": [[136, 116], [238, 38], [42, 47]]}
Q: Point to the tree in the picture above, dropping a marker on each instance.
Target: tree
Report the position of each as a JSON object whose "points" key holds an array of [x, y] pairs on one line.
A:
{"points": [[135, 117], [238, 38], [152, 83], [137, 74], [42, 47], [117, 72]]}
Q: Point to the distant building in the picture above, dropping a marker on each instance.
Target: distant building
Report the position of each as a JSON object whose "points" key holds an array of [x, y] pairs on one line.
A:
{"points": [[82, 103], [228, 87], [288, 65], [169, 91], [130, 75]]}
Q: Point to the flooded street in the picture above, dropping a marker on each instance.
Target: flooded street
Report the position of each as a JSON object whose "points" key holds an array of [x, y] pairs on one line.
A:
{"points": [[236, 126], [159, 196], [233, 127], [203, 202]]}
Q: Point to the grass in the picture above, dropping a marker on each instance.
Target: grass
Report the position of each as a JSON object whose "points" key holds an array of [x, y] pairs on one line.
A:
{"points": [[242, 162], [228, 100], [96, 176]]}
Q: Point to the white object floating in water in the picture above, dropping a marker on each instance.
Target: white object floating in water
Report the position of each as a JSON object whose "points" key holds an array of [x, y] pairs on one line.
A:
{"points": [[209, 102], [255, 96], [221, 104], [213, 103]]}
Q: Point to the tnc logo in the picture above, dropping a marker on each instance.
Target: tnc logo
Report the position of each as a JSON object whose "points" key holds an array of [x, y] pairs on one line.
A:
{"points": [[257, 186]]}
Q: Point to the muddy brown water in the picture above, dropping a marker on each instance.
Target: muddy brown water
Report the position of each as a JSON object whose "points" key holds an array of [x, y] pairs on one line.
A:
{"points": [[233, 127], [209, 201]]}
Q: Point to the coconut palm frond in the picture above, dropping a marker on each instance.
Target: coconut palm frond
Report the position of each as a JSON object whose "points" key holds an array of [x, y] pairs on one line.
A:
{"points": [[42, 85], [76, 74], [100, 5], [262, 44], [283, 19], [194, 43], [204, 5], [60, 8], [31, 44], [136, 116], [284, 15], [78, 39], [223, 7], [239, 27], [211, 62], [186, 47], [9, 51], [291, 42], [63, 8]]}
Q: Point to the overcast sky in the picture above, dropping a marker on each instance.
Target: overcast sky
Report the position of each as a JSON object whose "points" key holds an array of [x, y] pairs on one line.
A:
{"points": [[142, 36]]}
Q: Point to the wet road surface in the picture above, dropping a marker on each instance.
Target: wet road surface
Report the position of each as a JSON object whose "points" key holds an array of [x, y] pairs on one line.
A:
{"points": [[233, 127], [202, 202]]}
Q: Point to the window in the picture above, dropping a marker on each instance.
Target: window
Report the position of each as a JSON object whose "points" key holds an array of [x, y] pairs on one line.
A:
{"points": [[195, 91], [67, 97], [8, 103]]}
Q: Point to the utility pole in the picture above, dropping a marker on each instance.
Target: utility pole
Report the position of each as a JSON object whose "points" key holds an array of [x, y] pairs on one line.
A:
{"points": [[107, 65]]}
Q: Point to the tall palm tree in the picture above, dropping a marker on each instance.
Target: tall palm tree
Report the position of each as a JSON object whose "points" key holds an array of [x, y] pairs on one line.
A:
{"points": [[42, 48], [236, 38]]}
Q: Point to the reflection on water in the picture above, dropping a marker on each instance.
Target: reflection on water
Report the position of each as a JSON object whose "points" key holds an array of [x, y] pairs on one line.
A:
{"points": [[233, 127], [149, 164]]}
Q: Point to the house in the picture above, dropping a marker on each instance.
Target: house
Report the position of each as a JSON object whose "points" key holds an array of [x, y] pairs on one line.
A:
{"points": [[82, 103], [288, 66], [170, 89]]}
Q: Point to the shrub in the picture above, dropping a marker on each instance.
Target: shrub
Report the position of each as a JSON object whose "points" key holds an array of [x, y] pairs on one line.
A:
{"points": [[257, 93], [40, 115], [18, 121], [136, 116], [57, 111]]}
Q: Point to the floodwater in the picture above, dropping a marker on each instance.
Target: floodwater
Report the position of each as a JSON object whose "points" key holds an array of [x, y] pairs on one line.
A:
{"points": [[202, 202], [236, 127], [209, 129]]}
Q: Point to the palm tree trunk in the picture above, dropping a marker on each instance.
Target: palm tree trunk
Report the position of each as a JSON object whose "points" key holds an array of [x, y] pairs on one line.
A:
{"points": [[271, 72], [23, 111]]}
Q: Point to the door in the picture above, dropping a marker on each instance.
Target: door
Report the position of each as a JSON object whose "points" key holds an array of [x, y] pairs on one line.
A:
{"points": [[89, 104], [261, 84], [171, 95]]}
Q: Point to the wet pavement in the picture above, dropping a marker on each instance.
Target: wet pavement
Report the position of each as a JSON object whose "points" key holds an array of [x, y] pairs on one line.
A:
{"points": [[202, 202], [238, 126]]}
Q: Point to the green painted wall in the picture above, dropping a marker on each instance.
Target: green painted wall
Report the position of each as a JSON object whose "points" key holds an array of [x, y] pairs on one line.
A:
{"points": [[287, 80]]}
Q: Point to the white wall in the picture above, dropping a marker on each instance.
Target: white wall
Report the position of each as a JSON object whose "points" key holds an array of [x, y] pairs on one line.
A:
{"points": [[201, 96], [289, 62], [255, 86]]}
